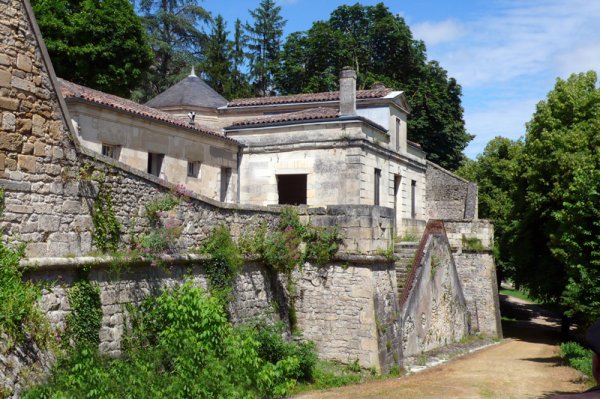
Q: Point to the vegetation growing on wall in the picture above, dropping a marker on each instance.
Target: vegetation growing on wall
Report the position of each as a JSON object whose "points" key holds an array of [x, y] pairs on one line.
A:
{"points": [[85, 319], [107, 229], [183, 346], [19, 315]]}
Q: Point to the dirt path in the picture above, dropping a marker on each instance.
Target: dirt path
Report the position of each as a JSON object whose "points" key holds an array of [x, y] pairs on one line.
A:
{"points": [[525, 365]]}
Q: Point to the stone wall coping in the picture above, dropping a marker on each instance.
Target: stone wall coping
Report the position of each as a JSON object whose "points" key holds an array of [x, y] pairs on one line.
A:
{"points": [[39, 264], [438, 167]]}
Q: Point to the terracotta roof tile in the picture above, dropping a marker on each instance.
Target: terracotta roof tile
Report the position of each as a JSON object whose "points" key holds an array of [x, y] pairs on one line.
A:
{"points": [[307, 114], [307, 97], [72, 90]]}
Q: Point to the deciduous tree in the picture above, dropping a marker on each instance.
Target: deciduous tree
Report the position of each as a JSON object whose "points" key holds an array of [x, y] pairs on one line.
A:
{"points": [[556, 243], [100, 44]]}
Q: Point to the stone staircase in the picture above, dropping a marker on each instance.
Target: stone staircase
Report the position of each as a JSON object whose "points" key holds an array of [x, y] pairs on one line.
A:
{"points": [[405, 254]]}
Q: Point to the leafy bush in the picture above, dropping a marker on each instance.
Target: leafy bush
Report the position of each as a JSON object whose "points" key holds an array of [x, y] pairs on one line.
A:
{"points": [[159, 241], [181, 346], [274, 349], [577, 357], [225, 258]]}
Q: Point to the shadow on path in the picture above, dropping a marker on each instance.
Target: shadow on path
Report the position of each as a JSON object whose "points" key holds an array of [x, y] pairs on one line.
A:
{"points": [[529, 322]]}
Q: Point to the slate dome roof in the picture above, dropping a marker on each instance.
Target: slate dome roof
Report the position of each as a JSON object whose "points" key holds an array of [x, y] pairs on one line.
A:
{"points": [[191, 91]]}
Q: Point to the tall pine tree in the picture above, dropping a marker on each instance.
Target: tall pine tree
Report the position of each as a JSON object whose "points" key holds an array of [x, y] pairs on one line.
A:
{"points": [[176, 37], [264, 44], [217, 63]]}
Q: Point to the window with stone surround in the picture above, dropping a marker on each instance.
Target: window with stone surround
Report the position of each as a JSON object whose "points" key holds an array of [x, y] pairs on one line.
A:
{"points": [[413, 199], [225, 180], [397, 134]]}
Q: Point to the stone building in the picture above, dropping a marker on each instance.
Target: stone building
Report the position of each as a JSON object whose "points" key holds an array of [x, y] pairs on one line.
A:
{"points": [[343, 154]]}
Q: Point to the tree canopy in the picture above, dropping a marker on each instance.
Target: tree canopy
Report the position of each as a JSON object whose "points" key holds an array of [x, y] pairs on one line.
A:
{"points": [[175, 32], [495, 171], [380, 47], [100, 44], [556, 236]]}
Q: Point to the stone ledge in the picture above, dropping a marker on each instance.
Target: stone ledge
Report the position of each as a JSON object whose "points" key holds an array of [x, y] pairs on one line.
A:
{"points": [[50, 263]]}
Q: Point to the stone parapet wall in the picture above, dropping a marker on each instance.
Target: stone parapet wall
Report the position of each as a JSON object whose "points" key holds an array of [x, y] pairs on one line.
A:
{"points": [[364, 229], [449, 196], [459, 232], [348, 308]]}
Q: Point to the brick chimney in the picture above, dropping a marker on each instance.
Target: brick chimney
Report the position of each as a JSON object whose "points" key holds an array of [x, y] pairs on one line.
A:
{"points": [[347, 92]]}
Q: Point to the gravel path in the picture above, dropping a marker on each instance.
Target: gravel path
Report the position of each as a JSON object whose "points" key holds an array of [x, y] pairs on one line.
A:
{"points": [[524, 365]]}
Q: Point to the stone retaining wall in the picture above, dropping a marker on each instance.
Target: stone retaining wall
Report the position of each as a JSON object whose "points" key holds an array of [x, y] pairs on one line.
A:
{"points": [[477, 272]]}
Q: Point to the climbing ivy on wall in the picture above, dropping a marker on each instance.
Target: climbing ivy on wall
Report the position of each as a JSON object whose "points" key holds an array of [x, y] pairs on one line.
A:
{"points": [[107, 229], [85, 319]]}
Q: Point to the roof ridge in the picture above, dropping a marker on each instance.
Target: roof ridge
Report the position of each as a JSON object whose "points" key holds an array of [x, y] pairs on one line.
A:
{"points": [[308, 97], [74, 90]]}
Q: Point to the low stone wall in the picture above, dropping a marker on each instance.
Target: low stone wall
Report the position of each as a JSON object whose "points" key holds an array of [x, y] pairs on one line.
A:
{"points": [[477, 272], [449, 196]]}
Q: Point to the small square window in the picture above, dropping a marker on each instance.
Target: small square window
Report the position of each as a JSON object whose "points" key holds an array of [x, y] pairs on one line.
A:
{"points": [[111, 151], [193, 169]]}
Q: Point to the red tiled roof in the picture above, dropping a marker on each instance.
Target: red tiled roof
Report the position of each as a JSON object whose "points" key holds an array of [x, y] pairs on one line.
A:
{"points": [[304, 115], [72, 90], [308, 97]]}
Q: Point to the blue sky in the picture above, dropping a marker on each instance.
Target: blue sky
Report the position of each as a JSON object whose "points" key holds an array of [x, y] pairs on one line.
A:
{"points": [[506, 54]]}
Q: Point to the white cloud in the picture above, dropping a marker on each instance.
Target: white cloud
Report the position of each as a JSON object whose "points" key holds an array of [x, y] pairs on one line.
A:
{"points": [[524, 38], [433, 33], [505, 118]]}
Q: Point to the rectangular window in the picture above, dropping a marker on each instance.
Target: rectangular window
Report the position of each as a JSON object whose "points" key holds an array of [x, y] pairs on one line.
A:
{"points": [[413, 199], [377, 179], [111, 151], [291, 189], [225, 178], [155, 162], [397, 134], [193, 169]]}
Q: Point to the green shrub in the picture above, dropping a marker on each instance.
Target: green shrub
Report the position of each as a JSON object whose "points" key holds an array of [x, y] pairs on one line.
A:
{"points": [[577, 357], [161, 240], [181, 346]]}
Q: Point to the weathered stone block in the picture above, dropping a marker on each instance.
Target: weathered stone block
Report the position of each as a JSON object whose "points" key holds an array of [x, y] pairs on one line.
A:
{"points": [[2, 160], [22, 84], [39, 149], [26, 163], [37, 128], [49, 223], [5, 79], [24, 62], [10, 141]]}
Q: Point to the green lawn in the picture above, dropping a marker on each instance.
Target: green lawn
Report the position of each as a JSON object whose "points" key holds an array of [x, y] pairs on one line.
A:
{"points": [[516, 294]]}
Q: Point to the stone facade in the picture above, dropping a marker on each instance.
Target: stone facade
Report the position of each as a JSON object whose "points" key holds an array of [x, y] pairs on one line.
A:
{"points": [[350, 308]]}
